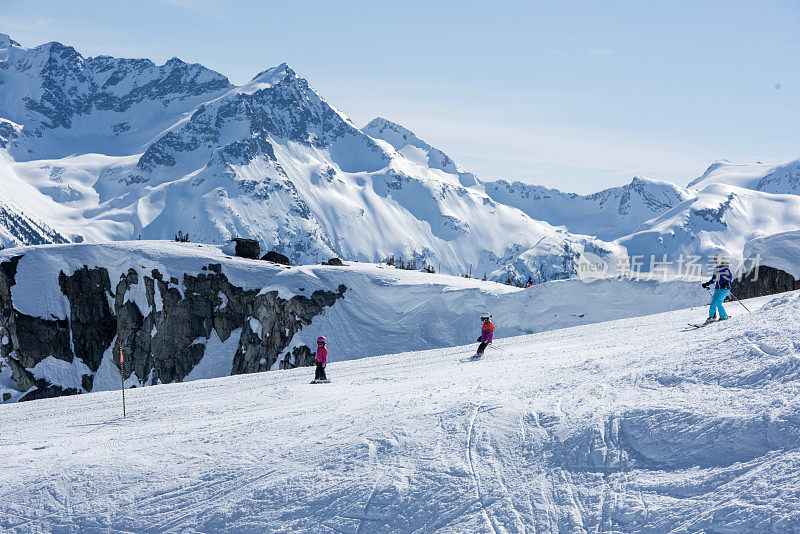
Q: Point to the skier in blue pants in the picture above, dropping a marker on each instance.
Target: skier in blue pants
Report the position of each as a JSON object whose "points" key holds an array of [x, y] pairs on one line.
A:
{"points": [[722, 287]]}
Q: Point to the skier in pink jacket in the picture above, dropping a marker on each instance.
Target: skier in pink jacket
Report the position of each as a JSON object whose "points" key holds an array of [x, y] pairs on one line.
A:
{"points": [[322, 360]]}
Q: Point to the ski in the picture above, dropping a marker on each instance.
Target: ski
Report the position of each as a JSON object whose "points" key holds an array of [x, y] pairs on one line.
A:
{"points": [[702, 325], [470, 359]]}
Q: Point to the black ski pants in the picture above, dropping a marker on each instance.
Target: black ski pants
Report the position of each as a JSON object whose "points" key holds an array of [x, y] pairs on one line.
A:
{"points": [[320, 372]]}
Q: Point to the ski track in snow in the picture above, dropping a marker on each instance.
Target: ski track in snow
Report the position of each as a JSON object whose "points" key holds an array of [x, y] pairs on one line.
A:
{"points": [[635, 425]]}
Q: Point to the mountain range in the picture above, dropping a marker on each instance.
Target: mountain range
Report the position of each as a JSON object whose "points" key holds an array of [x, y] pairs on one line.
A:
{"points": [[100, 149]]}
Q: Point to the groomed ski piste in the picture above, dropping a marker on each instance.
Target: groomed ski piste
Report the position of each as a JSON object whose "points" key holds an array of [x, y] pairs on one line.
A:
{"points": [[634, 425]]}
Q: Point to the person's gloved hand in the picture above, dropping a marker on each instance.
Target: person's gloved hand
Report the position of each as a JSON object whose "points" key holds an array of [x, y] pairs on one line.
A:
{"points": [[706, 284], [479, 339]]}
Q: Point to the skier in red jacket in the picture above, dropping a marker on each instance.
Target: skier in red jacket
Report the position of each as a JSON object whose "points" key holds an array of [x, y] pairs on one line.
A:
{"points": [[487, 332]]}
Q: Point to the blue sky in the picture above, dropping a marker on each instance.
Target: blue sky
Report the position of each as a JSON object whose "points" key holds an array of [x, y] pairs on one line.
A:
{"points": [[574, 95]]}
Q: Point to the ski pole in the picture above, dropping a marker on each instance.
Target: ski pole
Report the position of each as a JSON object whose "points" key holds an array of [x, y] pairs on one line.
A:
{"points": [[740, 302], [497, 348]]}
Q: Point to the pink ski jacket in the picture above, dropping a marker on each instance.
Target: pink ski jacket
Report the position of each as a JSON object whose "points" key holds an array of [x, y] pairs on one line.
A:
{"points": [[322, 355]]}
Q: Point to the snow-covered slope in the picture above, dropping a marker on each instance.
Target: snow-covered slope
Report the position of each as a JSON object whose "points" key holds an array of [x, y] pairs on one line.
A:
{"points": [[18, 228], [127, 148], [637, 425], [608, 214], [177, 314], [781, 251], [784, 178]]}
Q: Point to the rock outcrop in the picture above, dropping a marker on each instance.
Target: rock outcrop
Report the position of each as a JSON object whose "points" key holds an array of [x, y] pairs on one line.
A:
{"points": [[247, 248], [161, 324], [276, 257], [763, 280]]}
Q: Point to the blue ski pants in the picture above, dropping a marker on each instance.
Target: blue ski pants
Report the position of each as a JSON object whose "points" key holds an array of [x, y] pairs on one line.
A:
{"points": [[716, 303]]}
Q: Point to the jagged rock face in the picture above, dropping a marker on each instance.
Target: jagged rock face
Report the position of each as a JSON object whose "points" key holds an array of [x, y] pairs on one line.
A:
{"points": [[763, 281], [72, 85], [162, 343], [31, 338], [276, 104], [92, 322]]}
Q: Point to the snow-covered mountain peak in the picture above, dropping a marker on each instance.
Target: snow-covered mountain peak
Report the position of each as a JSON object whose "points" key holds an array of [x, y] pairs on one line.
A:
{"points": [[182, 149], [268, 78], [69, 104], [6, 41], [274, 74], [416, 150], [778, 179]]}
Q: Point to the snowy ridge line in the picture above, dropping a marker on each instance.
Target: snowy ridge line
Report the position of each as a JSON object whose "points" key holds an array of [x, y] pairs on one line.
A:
{"points": [[583, 445]]}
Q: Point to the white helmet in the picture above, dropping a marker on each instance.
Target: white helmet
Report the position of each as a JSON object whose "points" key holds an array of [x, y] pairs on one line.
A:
{"points": [[486, 315]]}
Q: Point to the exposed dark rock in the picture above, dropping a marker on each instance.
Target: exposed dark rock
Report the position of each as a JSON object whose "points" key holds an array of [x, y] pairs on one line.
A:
{"points": [[276, 257], [247, 248], [86, 382], [333, 261], [6, 397], [73, 85], [302, 356], [45, 390], [763, 281], [35, 339], [28, 230], [92, 324]]}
